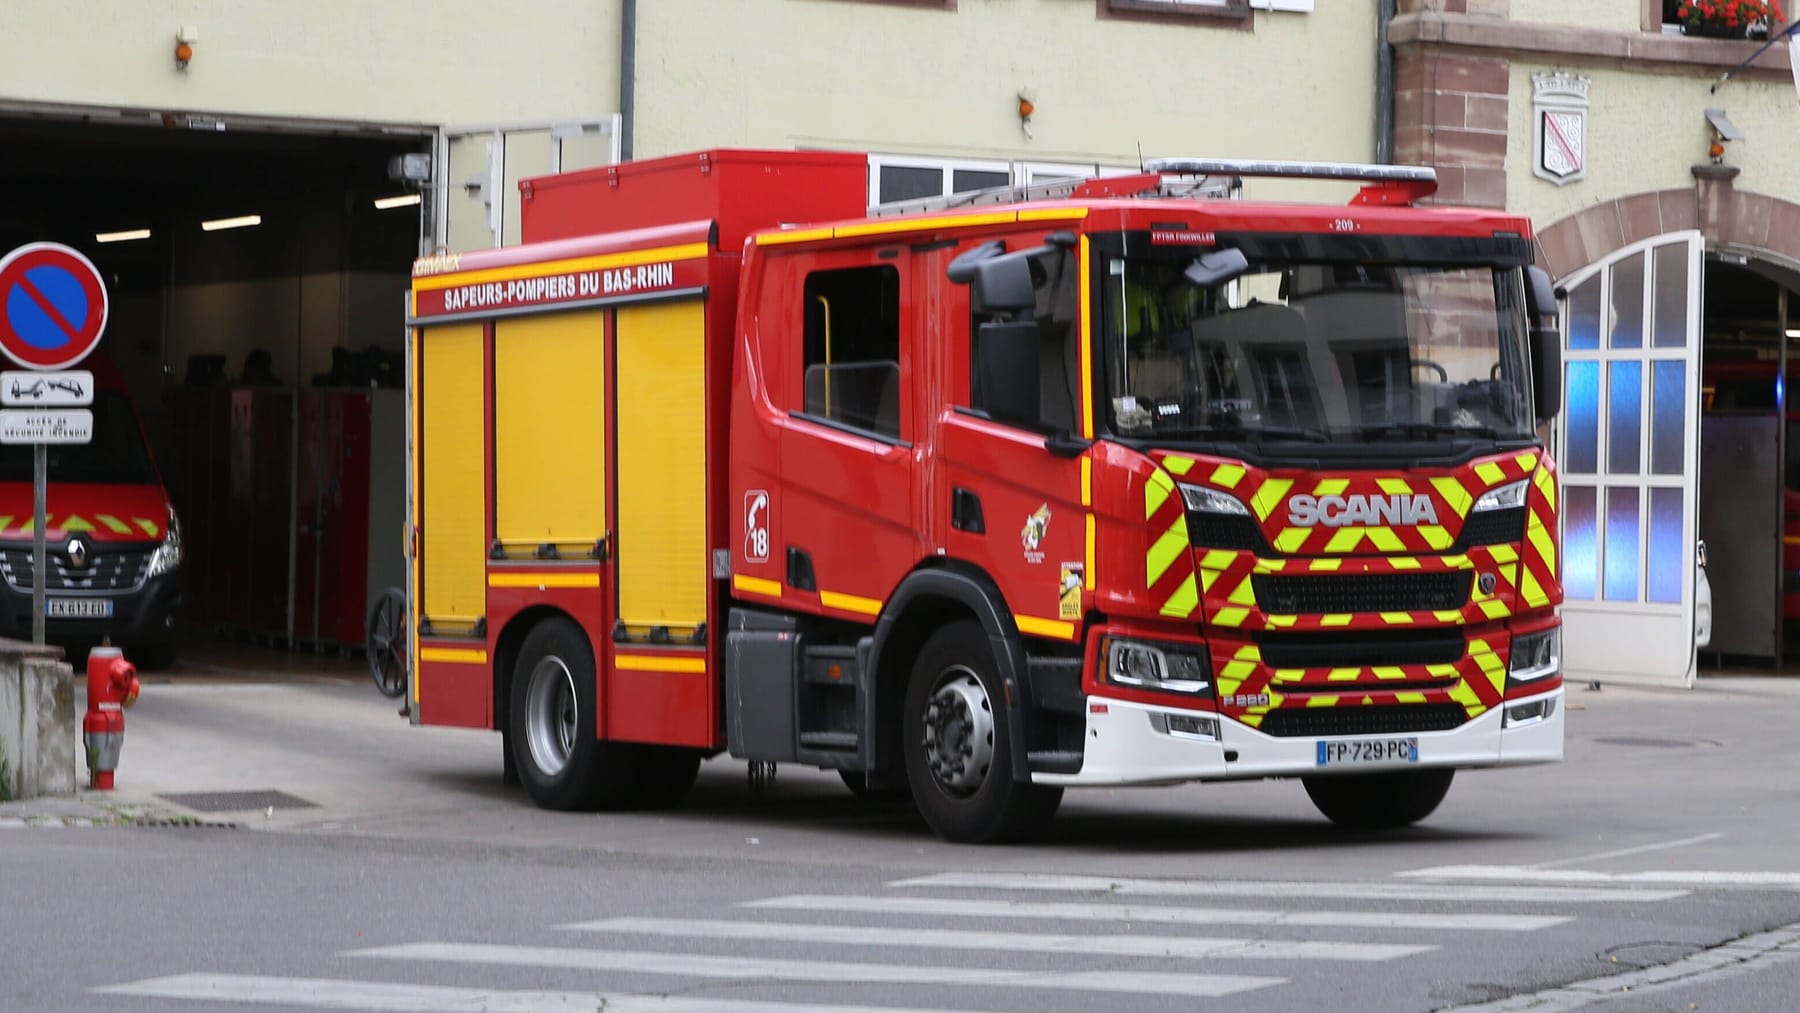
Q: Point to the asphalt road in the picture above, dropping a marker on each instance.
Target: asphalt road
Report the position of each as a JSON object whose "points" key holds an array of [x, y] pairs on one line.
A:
{"points": [[395, 872]]}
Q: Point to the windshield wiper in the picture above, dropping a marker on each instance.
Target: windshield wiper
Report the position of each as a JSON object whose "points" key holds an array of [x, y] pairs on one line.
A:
{"points": [[1240, 432], [1417, 430]]}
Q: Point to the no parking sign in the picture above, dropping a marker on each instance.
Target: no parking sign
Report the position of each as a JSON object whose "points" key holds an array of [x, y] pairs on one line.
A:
{"points": [[52, 306]]}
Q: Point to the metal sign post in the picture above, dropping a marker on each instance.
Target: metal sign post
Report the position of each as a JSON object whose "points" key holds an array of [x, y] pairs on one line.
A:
{"points": [[53, 308]]}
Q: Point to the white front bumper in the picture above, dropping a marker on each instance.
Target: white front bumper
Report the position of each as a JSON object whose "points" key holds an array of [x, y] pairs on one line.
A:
{"points": [[1126, 744]]}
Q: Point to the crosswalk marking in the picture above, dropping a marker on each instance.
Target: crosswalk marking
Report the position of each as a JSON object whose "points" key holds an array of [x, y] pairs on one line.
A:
{"points": [[325, 993], [692, 965], [1683, 877], [1023, 942], [1161, 915], [1252, 888]]}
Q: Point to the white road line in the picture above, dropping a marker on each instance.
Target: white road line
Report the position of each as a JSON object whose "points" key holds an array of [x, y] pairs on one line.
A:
{"points": [[1252, 888], [691, 965], [1154, 914], [1622, 852], [323, 993], [1682, 877], [1023, 942]]}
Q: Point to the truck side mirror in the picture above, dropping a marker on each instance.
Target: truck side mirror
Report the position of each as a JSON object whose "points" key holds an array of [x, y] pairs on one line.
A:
{"points": [[1003, 285], [1546, 343], [1007, 356]]}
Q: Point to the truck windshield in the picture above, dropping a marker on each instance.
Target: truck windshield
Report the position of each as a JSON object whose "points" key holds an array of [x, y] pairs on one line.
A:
{"points": [[1317, 351], [116, 455]]}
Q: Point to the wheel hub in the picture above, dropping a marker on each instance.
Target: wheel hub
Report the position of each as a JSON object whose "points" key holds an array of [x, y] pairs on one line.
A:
{"points": [[550, 711], [959, 732]]}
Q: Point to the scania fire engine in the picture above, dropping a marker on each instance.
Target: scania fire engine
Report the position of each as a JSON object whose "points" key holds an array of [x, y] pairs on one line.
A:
{"points": [[1115, 482]]}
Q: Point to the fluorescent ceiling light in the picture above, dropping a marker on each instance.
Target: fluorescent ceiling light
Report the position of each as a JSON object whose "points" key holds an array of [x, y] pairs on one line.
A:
{"points": [[402, 201], [231, 223], [1793, 332], [120, 237]]}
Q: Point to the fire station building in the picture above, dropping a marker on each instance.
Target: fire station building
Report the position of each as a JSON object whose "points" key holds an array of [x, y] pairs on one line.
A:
{"points": [[256, 180]]}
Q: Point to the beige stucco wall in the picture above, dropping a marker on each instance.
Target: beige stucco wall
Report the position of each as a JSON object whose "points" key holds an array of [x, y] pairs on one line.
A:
{"points": [[392, 61], [830, 74], [1584, 13], [1645, 131]]}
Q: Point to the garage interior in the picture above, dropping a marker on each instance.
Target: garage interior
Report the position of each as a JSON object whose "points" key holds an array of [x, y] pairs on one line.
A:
{"points": [[262, 349], [1750, 464]]}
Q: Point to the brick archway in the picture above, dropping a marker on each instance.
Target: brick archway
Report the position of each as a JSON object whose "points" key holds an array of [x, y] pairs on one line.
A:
{"points": [[1750, 222]]}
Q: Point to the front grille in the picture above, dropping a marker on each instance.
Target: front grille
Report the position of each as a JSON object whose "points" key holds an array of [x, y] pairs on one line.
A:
{"points": [[1316, 722], [105, 570], [1237, 532], [1492, 527], [1363, 592], [1361, 650]]}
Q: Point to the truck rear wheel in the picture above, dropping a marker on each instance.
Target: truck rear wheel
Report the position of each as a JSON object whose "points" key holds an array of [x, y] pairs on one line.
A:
{"points": [[559, 757], [958, 745], [1381, 801]]}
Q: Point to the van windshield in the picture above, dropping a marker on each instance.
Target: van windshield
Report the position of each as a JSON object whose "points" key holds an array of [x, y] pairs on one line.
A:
{"points": [[116, 456]]}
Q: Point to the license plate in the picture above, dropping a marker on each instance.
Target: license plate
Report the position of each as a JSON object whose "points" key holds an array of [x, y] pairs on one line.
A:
{"points": [[78, 608], [1366, 752]]}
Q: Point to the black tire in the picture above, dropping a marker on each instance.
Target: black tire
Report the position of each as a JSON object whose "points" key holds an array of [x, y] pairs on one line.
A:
{"points": [[665, 775], [552, 718], [858, 783], [1383, 801], [958, 745], [387, 645]]}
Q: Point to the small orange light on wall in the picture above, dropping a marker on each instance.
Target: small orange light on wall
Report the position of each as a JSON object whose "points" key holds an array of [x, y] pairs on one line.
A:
{"points": [[185, 37], [1717, 151], [1026, 107], [183, 53]]}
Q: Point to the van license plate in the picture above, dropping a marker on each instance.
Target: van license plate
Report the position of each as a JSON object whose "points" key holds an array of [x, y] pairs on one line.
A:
{"points": [[78, 608], [1367, 752]]}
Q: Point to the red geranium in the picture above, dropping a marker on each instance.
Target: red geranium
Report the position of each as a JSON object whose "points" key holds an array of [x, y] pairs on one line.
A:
{"points": [[1731, 13]]}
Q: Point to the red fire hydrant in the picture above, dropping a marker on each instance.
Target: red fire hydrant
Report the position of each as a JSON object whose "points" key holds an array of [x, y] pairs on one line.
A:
{"points": [[112, 687]]}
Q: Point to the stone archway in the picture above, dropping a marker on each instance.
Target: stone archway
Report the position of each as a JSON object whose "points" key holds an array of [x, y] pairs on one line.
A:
{"points": [[1750, 222]]}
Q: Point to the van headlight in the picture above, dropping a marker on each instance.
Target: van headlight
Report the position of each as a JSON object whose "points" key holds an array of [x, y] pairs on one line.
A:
{"points": [[1170, 668], [1504, 498], [167, 555], [1535, 655]]}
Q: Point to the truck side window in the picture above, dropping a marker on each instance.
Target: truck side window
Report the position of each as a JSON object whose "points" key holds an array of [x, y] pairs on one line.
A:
{"points": [[1059, 370], [852, 337]]}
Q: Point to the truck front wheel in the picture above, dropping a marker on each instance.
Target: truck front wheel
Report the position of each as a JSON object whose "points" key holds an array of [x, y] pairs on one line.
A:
{"points": [[553, 717], [1380, 801], [958, 745]]}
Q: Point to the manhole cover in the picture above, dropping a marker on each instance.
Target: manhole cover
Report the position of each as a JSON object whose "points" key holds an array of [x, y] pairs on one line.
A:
{"points": [[1649, 743], [238, 801]]}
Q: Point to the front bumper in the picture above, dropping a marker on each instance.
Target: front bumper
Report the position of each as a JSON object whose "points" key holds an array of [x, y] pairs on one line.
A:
{"points": [[1130, 744], [149, 613]]}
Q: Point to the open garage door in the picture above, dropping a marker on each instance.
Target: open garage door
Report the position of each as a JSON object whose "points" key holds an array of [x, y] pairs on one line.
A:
{"points": [[477, 189], [1628, 449]]}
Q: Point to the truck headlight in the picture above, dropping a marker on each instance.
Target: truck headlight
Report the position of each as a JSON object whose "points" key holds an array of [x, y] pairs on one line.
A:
{"points": [[1170, 668], [1503, 498], [1535, 655], [167, 555], [1211, 501]]}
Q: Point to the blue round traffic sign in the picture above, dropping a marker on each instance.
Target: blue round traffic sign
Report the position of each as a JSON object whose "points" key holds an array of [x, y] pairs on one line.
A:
{"points": [[52, 306]]}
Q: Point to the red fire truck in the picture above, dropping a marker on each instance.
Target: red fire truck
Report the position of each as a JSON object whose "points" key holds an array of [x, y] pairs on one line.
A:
{"points": [[1127, 483]]}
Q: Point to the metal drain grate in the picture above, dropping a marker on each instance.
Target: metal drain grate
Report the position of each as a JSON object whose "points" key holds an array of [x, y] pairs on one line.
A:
{"points": [[238, 801]]}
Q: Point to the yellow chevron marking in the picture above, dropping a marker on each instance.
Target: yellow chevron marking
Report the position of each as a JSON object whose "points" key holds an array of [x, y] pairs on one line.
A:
{"points": [[118, 526], [1270, 496], [1239, 670], [1268, 566], [1253, 720], [1331, 487], [1156, 492], [1459, 562], [1546, 486], [1490, 473], [1504, 554], [1539, 537], [1526, 462], [1447, 616], [1282, 622], [1291, 539], [1336, 619], [1231, 617], [5, 521], [1248, 652], [1397, 618], [1243, 594], [1405, 563], [147, 525], [1437, 537], [76, 522], [1454, 494], [1441, 671], [1181, 604], [1325, 565], [1389, 672], [1464, 694], [1228, 475], [1170, 546], [1510, 574], [1345, 540], [1323, 701], [1179, 465], [1534, 592], [1495, 609], [1218, 559], [1409, 697], [1209, 577], [1343, 675], [1387, 540], [1395, 486]]}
